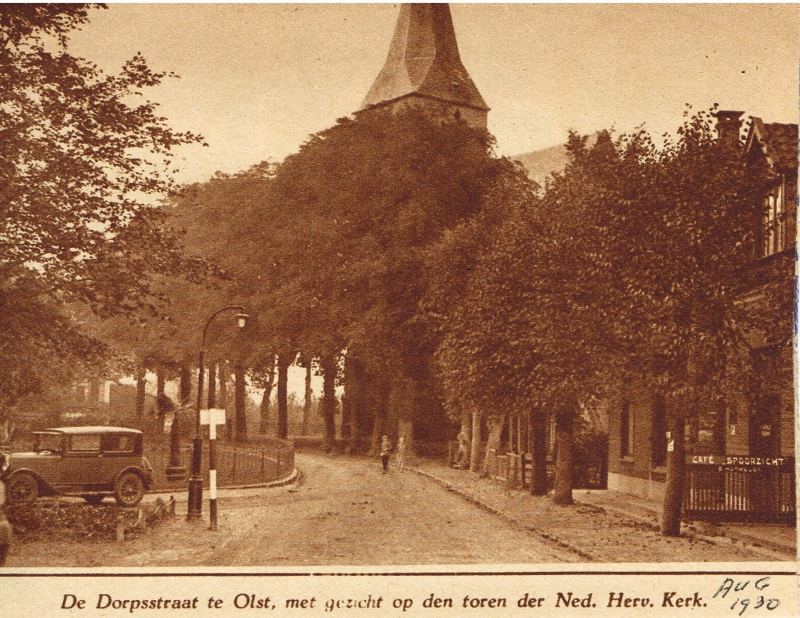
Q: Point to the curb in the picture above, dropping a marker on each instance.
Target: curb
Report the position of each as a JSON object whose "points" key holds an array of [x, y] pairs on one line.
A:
{"points": [[777, 546], [293, 476], [473, 500]]}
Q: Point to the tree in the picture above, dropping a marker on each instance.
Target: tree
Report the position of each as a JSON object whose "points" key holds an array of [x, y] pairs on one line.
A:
{"points": [[529, 330], [693, 203], [211, 218], [263, 376], [40, 343], [82, 159], [369, 201]]}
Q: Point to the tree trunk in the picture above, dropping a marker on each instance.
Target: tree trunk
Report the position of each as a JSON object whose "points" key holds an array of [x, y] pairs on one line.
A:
{"points": [[352, 446], [266, 401], [353, 401], [404, 401], [565, 425], [538, 453], [161, 381], [676, 464], [405, 430], [328, 366], [381, 387], [185, 383], [464, 438], [141, 383], [241, 411], [283, 402], [475, 450], [377, 431], [175, 441], [719, 427], [307, 401], [693, 429], [347, 408], [263, 412], [495, 426], [212, 385], [513, 433]]}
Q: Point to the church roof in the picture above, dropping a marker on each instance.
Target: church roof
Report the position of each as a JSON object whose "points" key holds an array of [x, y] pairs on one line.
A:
{"points": [[542, 163], [424, 60]]}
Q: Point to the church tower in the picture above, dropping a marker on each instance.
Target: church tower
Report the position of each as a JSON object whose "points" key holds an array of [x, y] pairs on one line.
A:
{"points": [[424, 69]]}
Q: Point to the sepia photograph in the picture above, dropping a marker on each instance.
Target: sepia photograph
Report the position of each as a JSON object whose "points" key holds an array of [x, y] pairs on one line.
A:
{"points": [[403, 288]]}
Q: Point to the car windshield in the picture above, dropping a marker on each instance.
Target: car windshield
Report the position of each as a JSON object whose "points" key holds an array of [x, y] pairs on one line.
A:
{"points": [[47, 442]]}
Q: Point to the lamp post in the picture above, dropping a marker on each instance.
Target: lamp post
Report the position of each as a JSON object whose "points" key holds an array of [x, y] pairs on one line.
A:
{"points": [[196, 478]]}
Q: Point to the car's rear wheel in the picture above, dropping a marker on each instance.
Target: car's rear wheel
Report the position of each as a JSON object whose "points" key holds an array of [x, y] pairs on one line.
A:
{"points": [[129, 489], [93, 499], [22, 488]]}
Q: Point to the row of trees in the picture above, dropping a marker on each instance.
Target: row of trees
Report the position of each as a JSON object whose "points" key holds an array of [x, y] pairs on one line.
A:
{"points": [[395, 254], [626, 268], [331, 252], [442, 286]]}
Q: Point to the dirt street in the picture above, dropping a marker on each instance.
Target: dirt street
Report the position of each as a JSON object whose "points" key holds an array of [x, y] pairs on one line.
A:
{"points": [[343, 511]]}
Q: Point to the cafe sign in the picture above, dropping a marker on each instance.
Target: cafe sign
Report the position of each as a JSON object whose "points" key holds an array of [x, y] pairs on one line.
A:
{"points": [[734, 460]]}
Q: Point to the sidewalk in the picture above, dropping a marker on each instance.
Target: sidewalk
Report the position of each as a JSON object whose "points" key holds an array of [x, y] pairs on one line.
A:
{"points": [[607, 526], [778, 537]]}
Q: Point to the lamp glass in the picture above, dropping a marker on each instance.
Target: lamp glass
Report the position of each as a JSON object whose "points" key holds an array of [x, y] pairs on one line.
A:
{"points": [[242, 318]]}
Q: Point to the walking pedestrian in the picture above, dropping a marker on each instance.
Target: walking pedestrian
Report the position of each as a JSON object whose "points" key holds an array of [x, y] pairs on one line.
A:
{"points": [[400, 460], [386, 448]]}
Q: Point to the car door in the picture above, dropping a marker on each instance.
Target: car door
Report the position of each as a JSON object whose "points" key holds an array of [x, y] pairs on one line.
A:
{"points": [[49, 462], [118, 454], [83, 462]]}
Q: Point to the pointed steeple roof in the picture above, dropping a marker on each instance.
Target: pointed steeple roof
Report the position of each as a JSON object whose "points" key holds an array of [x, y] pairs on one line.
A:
{"points": [[424, 60]]}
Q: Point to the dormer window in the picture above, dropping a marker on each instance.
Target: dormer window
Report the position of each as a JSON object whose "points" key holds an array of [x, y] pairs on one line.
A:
{"points": [[774, 222]]}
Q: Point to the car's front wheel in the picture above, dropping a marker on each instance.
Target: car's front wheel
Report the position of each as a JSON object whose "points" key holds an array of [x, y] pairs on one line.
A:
{"points": [[129, 489], [22, 488]]}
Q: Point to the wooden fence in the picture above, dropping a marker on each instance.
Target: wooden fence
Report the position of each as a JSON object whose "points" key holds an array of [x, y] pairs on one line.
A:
{"points": [[732, 488], [516, 469]]}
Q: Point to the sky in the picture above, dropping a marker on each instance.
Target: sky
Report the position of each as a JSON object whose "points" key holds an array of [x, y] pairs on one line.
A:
{"points": [[257, 79]]}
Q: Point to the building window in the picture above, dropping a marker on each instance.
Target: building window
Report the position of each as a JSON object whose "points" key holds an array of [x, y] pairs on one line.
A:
{"points": [[626, 429], [659, 437], [774, 223]]}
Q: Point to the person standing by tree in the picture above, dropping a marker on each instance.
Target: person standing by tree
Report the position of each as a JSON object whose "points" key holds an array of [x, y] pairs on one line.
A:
{"points": [[400, 460], [462, 459], [386, 449]]}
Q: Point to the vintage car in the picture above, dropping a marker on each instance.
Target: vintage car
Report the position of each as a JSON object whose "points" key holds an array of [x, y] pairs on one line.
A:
{"points": [[91, 462]]}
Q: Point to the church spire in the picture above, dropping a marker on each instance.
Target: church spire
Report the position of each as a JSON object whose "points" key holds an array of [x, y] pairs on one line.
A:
{"points": [[424, 65]]}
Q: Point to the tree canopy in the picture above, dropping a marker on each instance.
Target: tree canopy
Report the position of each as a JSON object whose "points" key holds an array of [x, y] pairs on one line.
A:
{"points": [[84, 158]]}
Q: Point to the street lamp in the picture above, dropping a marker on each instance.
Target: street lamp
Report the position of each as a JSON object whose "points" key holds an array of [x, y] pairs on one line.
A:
{"points": [[196, 477]]}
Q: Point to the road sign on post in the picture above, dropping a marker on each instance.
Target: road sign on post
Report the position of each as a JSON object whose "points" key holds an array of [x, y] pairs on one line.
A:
{"points": [[212, 417]]}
